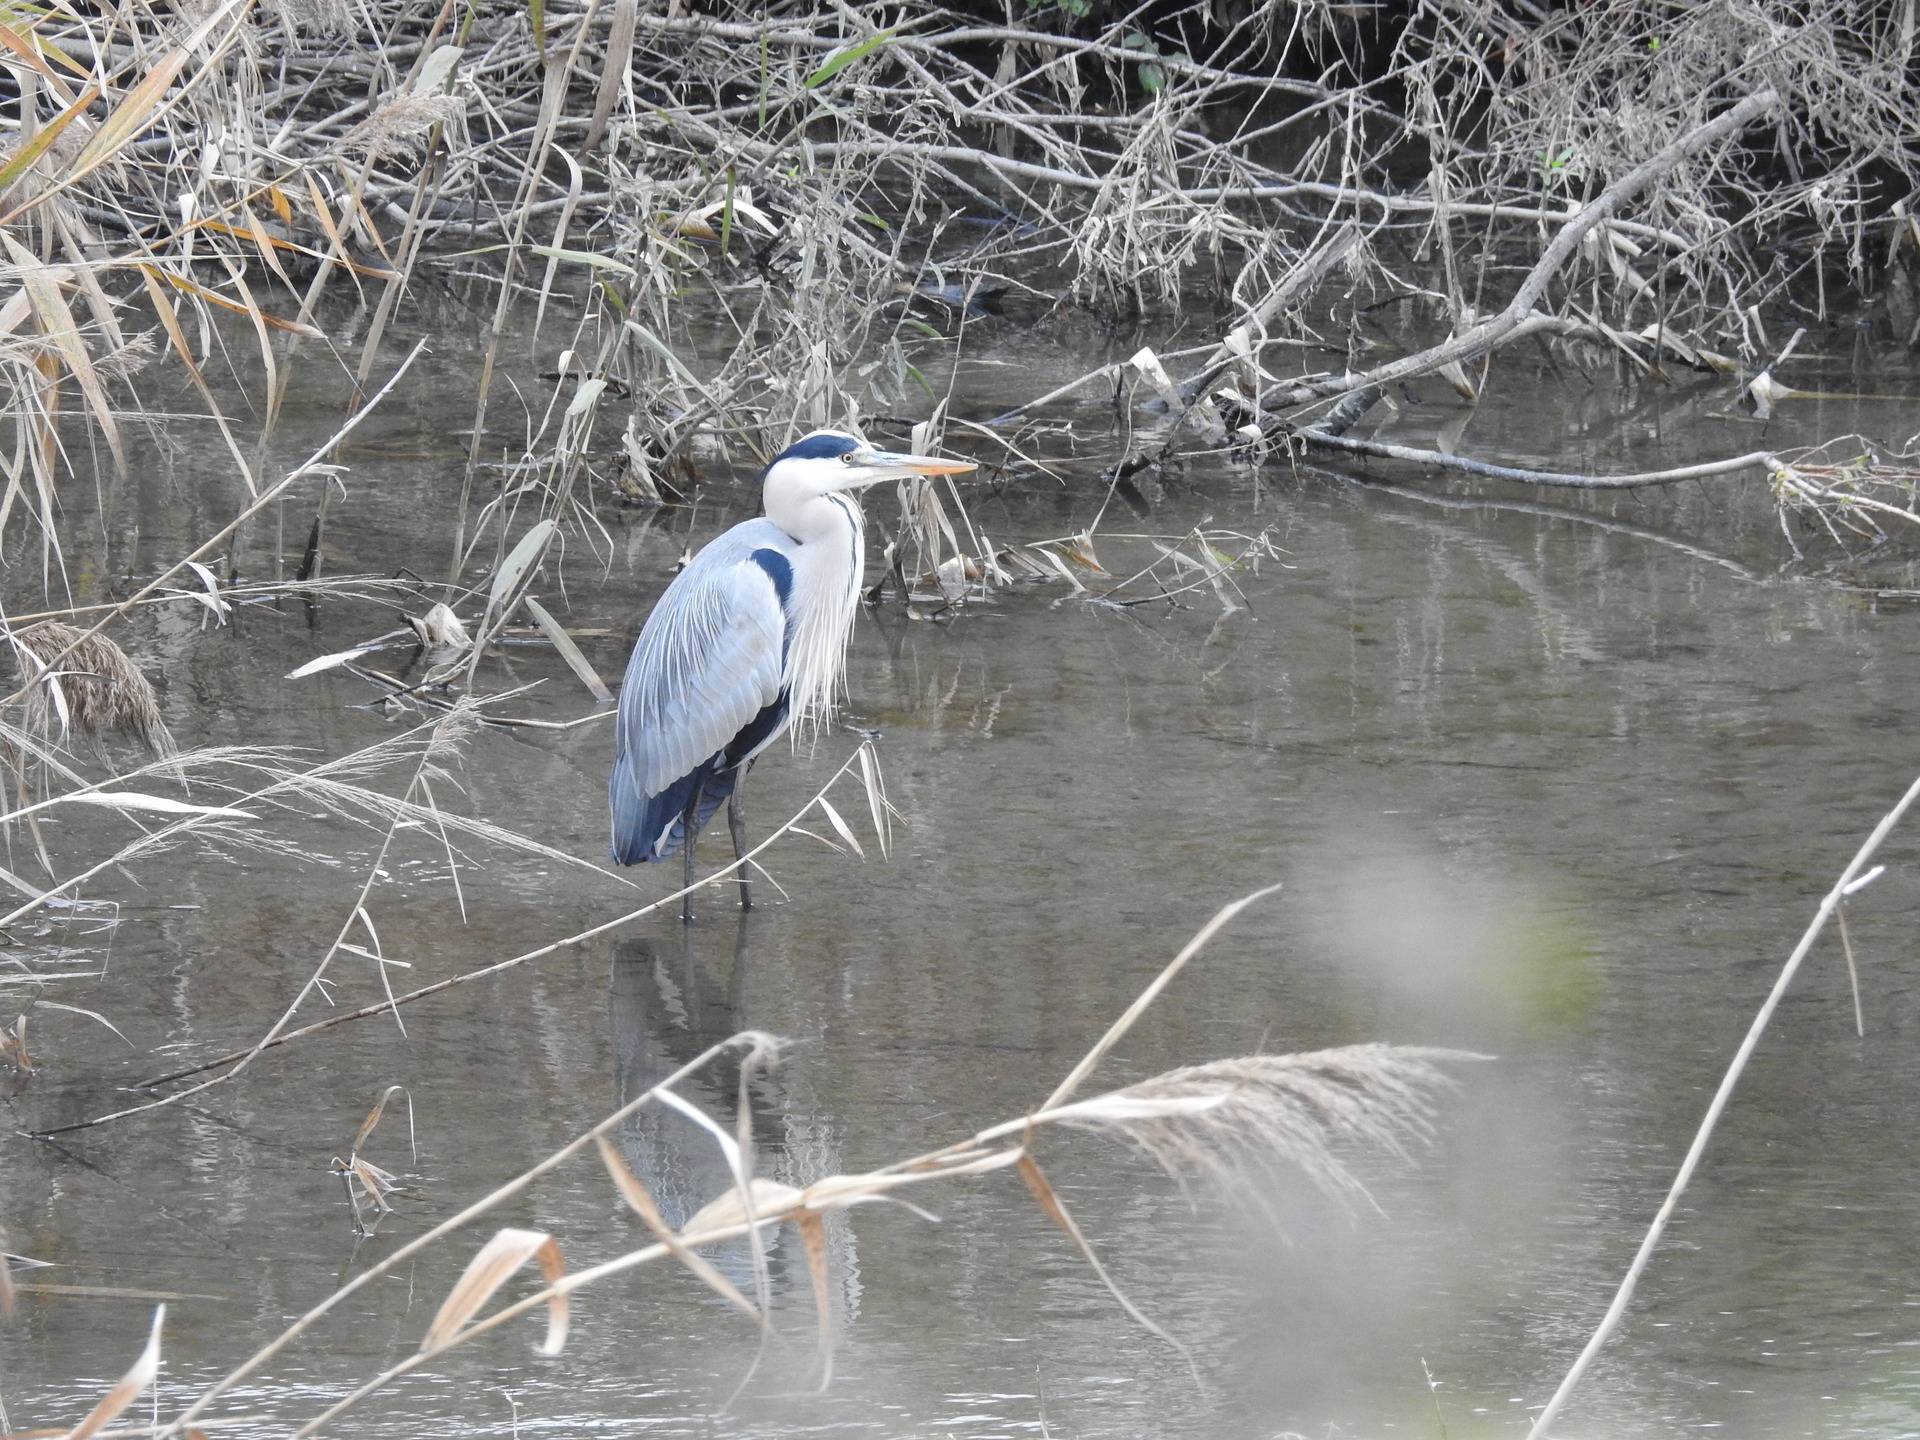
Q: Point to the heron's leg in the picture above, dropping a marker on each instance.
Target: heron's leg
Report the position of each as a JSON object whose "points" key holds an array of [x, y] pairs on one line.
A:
{"points": [[737, 823], [689, 829]]}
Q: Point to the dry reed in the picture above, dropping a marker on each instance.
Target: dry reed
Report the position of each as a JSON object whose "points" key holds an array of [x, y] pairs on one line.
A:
{"points": [[831, 190], [86, 684], [1293, 1110]]}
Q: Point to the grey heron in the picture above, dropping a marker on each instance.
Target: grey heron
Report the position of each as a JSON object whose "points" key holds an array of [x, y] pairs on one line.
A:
{"points": [[748, 640]]}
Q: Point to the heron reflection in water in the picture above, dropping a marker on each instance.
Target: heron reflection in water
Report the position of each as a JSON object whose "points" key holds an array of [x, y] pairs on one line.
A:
{"points": [[667, 1002], [666, 1005], [749, 640]]}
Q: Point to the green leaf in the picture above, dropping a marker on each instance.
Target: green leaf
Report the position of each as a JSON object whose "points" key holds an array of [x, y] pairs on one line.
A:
{"points": [[841, 60], [582, 257], [1153, 78], [660, 347], [438, 71]]}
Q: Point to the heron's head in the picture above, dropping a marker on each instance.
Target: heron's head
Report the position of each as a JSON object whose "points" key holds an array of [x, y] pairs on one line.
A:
{"points": [[829, 460]]}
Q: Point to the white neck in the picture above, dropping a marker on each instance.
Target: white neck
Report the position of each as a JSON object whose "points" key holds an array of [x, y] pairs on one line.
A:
{"points": [[827, 568]]}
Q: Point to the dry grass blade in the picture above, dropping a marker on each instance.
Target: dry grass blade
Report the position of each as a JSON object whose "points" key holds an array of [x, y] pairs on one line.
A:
{"points": [[130, 116], [236, 307], [1853, 972], [16, 1062], [30, 47], [1117, 1031], [330, 662], [154, 804], [751, 1194], [42, 285], [774, 1202], [640, 1200], [368, 1125], [813, 1239], [367, 1186], [272, 245], [1155, 374], [875, 786], [90, 1014], [116, 1400], [6, 1280], [209, 593], [510, 582], [491, 1268], [440, 629], [24, 158], [626, 14], [569, 652], [841, 827], [1292, 1109], [183, 349], [1043, 1191], [104, 1292], [770, 1200]]}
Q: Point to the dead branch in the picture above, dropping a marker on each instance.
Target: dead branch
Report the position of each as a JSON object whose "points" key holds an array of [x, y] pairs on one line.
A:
{"points": [[1520, 318], [1439, 460]]}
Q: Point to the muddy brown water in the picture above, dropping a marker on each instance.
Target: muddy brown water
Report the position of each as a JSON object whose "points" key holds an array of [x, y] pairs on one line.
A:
{"points": [[1538, 782]]}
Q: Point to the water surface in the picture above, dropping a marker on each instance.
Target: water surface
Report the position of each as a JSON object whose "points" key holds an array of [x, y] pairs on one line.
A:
{"points": [[1559, 785]]}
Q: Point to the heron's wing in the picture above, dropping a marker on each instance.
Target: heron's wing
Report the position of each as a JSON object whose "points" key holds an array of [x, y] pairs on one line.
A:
{"points": [[708, 661]]}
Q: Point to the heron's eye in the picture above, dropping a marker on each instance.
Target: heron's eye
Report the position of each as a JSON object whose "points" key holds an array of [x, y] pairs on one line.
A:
{"points": [[847, 458]]}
